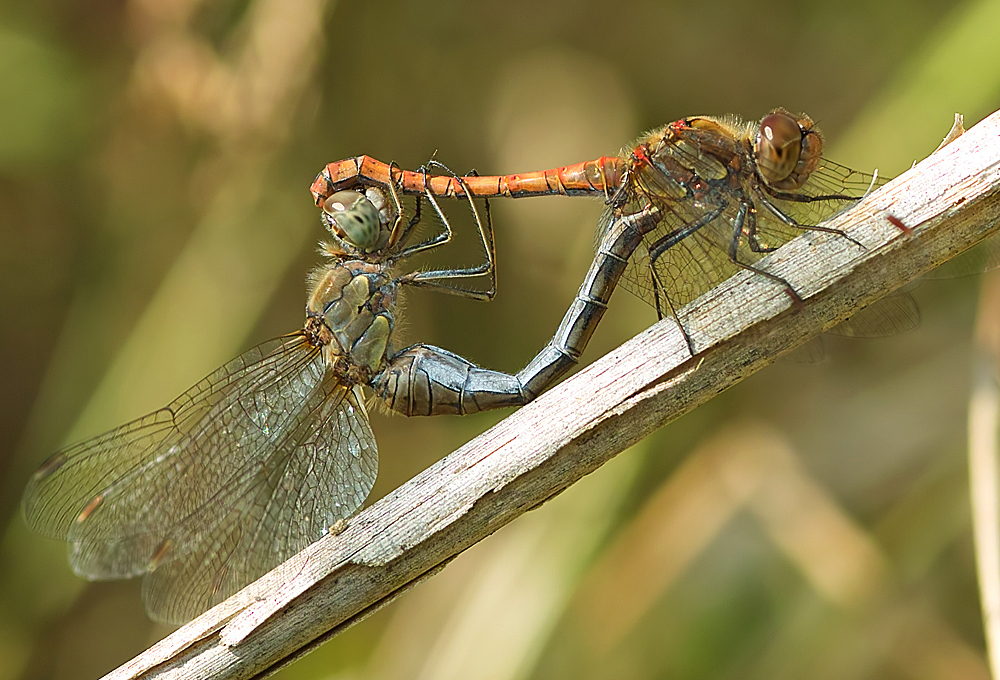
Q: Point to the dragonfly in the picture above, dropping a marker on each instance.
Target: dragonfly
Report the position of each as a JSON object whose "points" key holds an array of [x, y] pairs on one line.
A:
{"points": [[726, 193], [274, 449]]}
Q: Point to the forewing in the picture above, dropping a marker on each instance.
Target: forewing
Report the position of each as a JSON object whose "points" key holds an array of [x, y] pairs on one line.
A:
{"points": [[830, 189], [671, 277], [895, 313], [245, 469], [319, 473], [676, 262]]}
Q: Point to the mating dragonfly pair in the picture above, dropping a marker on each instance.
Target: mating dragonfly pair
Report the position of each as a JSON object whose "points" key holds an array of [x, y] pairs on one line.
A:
{"points": [[264, 455]]}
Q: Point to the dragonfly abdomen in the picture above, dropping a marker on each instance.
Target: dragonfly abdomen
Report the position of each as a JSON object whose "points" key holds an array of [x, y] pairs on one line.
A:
{"points": [[423, 380], [601, 176]]}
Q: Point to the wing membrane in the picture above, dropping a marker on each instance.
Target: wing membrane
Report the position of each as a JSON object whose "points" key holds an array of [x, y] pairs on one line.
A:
{"points": [[694, 264], [248, 467]]}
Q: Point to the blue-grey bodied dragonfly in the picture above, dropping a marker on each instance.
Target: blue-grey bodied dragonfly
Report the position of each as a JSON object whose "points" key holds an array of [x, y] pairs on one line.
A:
{"points": [[270, 451]]}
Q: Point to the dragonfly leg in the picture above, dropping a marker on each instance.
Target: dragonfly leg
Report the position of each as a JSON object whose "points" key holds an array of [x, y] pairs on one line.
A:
{"points": [[660, 289], [423, 380], [399, 234], [656, 251], [738, 223], [751, 232], [443, 279], [787, 219]]}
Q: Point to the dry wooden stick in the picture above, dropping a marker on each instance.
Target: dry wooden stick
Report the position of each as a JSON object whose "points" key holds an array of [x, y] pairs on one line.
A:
{"points": [[950, 201]]}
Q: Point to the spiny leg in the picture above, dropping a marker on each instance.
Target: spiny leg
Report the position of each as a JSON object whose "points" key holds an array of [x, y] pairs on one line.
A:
{"points": [[741, 216], [441, 279], [751, 233], [787, 219], [434, 241], [398, 235], [659, 288], [657, 250]]}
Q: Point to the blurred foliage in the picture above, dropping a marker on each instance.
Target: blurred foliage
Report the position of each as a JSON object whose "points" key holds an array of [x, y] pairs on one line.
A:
{"points": [[155, 160]]}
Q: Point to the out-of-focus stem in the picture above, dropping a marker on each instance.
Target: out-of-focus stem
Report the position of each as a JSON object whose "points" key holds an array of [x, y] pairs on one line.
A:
{"points": [[984, 463]]}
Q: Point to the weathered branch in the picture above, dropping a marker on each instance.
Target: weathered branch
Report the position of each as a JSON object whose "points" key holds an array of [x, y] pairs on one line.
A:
{"points": [[951, 200]]}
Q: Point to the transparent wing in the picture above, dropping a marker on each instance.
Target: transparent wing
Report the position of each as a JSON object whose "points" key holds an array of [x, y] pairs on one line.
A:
{"points": [[688, 252], [831, 178], [673, 267], [831, 189], [895, 313], [980, 258], [246, 468]]}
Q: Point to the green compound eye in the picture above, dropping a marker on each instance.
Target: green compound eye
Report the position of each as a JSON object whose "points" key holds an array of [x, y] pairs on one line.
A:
{"points": [[354, 218]]}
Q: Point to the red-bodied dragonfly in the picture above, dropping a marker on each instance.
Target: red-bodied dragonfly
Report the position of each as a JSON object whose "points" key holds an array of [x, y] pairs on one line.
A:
{"points": [[725, 192], [272, 450]]}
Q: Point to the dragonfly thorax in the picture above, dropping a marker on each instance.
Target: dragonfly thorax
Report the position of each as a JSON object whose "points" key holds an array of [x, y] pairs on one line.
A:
{"points": [[355, 301]]}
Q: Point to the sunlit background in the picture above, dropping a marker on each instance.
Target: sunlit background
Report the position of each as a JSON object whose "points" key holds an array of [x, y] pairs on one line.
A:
{"points": [[155, 220]]}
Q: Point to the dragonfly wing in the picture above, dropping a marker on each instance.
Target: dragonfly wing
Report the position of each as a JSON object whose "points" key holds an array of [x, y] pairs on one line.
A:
{"points": [[246, 468], [676, 263], [689, 251], [980, 258], [895, 313], [830, 190]]}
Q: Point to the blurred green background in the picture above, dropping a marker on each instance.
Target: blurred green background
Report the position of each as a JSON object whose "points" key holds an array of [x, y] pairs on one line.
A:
{"points": [[155, 220]]}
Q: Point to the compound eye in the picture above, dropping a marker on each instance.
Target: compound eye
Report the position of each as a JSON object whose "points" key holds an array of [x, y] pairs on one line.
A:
{"points": [[779, 145], [354, 218]]}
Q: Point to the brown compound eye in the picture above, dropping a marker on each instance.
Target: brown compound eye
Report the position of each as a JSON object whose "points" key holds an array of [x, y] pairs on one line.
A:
{"points": [[779, 144], [354, 218], [788, 149]]}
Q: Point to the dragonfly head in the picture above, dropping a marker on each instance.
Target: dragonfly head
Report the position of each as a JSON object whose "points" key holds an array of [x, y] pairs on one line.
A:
{"points": [[787, 149], [355, 219]]}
